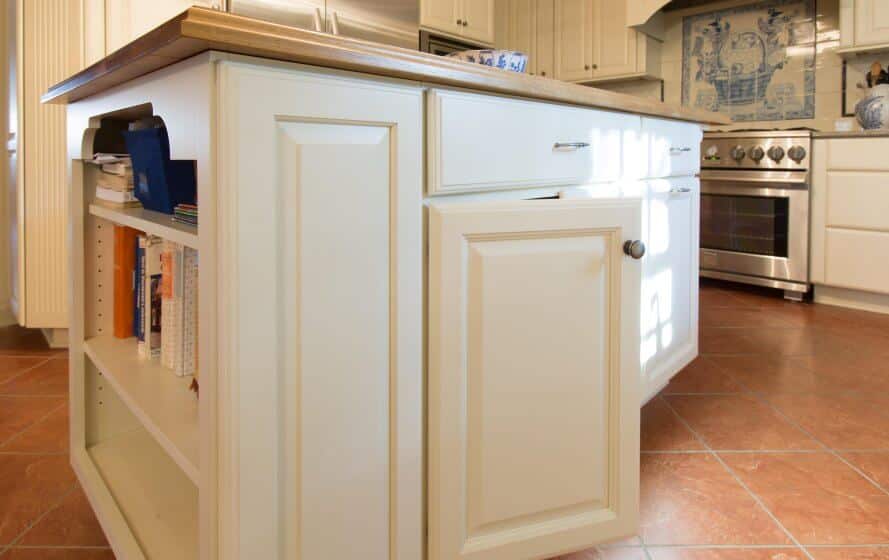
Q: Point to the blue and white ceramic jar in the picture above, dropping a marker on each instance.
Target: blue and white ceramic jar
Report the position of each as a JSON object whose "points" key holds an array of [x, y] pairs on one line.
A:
{"points": [[872, 112], [505, 60]]}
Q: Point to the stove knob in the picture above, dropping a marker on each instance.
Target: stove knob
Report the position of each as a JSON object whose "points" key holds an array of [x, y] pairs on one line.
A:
{"points": [[776, 153], [757, 153], [796, 153], [737, 153]]}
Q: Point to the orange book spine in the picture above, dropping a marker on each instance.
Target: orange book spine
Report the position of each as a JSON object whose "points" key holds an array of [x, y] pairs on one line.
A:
{"points": [[124, 263]]}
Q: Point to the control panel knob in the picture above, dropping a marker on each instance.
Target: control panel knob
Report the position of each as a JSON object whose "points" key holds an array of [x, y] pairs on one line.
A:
{"points": [[796, 153], [776, 153], [757, 153], [737, 153]]}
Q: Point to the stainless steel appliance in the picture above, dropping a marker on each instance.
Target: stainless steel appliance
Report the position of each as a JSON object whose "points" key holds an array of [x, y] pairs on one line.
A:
{"points": [[755, 208]]}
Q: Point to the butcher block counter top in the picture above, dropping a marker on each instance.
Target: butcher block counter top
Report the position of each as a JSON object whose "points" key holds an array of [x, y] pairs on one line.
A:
{"points": [[199, 29]]}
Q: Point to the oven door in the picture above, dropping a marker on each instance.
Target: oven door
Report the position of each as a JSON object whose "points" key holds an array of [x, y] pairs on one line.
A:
{"points": [[755, 224]]}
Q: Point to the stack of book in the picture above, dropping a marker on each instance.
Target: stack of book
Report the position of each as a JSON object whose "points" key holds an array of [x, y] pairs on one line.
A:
{"points": [[156, 298], [186, 214], [114, 185]]}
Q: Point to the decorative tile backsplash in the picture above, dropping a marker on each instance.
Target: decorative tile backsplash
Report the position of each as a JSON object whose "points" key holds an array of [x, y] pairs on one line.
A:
{"points": [[753, 62]]}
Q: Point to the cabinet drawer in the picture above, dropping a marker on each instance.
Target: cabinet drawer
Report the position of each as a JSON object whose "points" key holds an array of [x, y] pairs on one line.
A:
{"points": [[858, 200], [483, 142], [857, 259], [673, 148], [858, 154]]}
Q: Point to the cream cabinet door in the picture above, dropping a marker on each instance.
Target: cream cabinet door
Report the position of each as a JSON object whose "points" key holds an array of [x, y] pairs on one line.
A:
{"points": [[614, 44], [871, 22], [573, 33], [544, 61], [669, 321], [533, 377], [320, 217], [126, 20], [517, 28], [478, 20], [442, 15]]}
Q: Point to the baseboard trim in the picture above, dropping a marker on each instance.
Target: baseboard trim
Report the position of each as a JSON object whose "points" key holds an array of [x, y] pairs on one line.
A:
{"points": [[854, 299], [56, 338]]}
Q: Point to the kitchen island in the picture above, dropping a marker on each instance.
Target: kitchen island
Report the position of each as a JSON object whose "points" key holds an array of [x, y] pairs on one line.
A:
{"points": [[433, 297]]}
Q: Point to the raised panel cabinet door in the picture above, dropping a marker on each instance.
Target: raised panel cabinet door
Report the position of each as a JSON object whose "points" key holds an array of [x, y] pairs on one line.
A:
{"points": [[573, 53], [533, 377], [442, 15], [669, 321], [478, 20], [320, 217], [871, 22], [614, 44], [519, 28], [544, 62]]}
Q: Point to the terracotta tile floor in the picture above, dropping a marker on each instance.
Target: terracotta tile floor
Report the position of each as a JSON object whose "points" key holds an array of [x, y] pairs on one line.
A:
{"points": [[772, 445], [44, 514]]}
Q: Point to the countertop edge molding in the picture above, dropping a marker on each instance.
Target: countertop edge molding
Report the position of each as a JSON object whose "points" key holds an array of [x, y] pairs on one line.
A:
{"points": [[199, 29]]}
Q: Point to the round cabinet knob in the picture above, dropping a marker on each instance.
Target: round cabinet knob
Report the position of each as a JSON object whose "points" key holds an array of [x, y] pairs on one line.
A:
{"points": [[796, 153], [459, 22], [586, 66], [465, 23], [776, 153], [737, 153], [635, 249], [757, 153]]}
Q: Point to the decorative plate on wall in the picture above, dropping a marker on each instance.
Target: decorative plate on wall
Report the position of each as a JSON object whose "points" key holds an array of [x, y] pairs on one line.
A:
{"points": [[752, 63]]}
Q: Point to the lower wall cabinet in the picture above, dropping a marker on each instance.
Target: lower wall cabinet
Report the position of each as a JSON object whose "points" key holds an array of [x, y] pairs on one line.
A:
{"points": [[850, 227]]}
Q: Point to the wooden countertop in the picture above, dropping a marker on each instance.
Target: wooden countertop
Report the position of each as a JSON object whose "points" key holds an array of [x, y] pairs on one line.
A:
{"points": [[199, 29]]}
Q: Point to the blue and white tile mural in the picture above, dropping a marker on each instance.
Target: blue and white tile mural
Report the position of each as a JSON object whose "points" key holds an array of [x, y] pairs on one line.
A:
{"points": [[753, 63]]}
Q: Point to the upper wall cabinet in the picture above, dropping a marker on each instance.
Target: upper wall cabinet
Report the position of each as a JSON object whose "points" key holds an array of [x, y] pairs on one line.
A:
{"points": [[465, 19], [864, 25], [126, 20], [577, 40]]}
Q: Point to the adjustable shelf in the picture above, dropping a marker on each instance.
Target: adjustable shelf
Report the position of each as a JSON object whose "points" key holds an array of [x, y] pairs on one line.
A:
{"points": [[160, 400], [154, 223]]}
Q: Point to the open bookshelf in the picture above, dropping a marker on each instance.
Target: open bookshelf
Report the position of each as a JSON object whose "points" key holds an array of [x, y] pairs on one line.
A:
{"points": [[141, 438]]}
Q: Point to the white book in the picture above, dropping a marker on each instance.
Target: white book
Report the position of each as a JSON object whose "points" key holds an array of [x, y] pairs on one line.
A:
{"points": [[111, 195], [152, 316], [188, 364], [172, 312]]}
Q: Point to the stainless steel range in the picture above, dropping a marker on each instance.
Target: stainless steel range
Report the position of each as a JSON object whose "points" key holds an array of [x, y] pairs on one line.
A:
{"points": [[755, 208]]}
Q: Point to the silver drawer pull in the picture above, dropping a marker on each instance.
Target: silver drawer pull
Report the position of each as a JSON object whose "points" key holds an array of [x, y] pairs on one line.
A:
{"points": [[680, 190], [677, 151], [570, 145]]}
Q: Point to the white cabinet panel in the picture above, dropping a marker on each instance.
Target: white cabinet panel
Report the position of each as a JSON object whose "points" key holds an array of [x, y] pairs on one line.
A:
{"points": [[854, 154], [322, 271], [669, 322], [481, 142], [533, 377], [573, 39], [673, 147], [857, 259], [858, 200]]}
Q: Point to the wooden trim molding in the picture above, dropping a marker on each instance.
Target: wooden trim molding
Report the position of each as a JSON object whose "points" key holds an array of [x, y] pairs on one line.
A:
{"points": [[198, 29]]}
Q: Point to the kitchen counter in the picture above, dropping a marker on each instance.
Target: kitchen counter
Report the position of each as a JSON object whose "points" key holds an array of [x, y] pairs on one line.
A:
{"points": [[198, 29], [881, 133]]}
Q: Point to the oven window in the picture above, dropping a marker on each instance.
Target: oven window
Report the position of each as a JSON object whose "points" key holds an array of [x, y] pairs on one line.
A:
{"points": [[745, 224]]}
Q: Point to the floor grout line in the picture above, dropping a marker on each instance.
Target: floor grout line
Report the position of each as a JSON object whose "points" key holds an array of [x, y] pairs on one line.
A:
{"points": [[21, 373], [40, 518], [15, 436], [737, 478], [826, 448]]}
